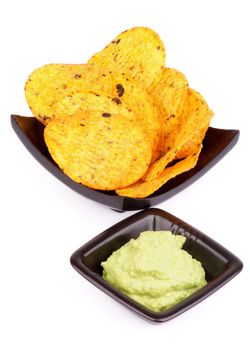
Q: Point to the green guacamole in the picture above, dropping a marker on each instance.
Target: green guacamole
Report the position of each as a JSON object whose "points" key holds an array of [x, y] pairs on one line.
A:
{"points": [[154, 270]]}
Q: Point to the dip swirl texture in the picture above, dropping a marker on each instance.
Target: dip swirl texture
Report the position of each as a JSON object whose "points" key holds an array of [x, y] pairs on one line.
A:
{"points": [[154, 270]]}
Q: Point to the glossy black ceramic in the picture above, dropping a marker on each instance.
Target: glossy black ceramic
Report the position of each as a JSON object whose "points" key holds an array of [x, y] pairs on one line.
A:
{"points": [[216, 144], [219, 264]]}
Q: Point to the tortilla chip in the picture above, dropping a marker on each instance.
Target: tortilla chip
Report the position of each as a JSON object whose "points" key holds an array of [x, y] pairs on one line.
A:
{"points": [[71, 104], [144, 109], [169, 92], [98, 149], [195, 114], [52, 82], [189, 147], [137, 53], [124, 96], [143, 189]]}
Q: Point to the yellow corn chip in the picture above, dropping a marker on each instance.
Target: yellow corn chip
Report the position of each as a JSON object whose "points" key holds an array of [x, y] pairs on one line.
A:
{"points": [[52, 82], [189, 147], [143, 189], [143, 107], [86, 101], [169, 92], [137, 53], [98, 149], [195, 114]]}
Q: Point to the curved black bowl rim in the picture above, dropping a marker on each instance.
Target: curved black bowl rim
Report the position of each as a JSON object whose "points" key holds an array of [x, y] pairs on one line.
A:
{"points": [[217, 143]]}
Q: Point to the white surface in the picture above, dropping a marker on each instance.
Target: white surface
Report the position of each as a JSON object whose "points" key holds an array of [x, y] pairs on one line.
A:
{"points": [[45, 304]]}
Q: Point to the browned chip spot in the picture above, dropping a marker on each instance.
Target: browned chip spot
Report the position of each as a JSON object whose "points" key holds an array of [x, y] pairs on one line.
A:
{"points": [[120, 90], [106, 115], [77, 76], [116, 100]]}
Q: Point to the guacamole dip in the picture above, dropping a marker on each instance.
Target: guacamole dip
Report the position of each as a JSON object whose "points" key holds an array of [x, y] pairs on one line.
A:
{"points": [[154, 270]]}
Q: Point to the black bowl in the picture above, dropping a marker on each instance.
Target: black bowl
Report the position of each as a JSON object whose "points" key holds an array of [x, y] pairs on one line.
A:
{"points": [[216, 144], [219, 264]]}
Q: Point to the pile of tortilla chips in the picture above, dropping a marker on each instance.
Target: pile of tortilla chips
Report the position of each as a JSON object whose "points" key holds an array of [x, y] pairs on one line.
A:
{"points": [[123, 121]]}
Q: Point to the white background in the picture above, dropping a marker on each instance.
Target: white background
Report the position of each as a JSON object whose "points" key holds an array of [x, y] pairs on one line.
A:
{"points": [[45, 304]]}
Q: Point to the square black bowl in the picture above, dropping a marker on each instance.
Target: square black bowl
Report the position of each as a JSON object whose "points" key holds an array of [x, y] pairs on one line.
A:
{"points": [[219, 264], [216, 145]]}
